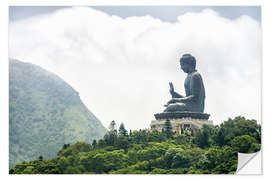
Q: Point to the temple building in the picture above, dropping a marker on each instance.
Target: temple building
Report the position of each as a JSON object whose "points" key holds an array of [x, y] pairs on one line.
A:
{"points": [[181, 120]]}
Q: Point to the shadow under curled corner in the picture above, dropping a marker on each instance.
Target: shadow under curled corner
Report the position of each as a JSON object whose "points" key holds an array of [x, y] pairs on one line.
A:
{"points": [[249, 164]]}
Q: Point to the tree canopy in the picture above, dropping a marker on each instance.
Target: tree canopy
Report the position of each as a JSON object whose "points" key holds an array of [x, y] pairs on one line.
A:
{"points": [[209, 150]]}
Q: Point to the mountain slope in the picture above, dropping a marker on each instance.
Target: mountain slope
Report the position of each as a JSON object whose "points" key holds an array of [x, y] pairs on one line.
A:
{"points": [[45, 113]]}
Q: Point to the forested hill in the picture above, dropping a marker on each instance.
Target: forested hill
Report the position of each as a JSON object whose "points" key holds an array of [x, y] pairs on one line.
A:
{"points": [[44, 113], [210, 150]]}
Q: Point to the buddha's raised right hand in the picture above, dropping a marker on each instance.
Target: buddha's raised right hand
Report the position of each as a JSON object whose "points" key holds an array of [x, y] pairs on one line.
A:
{"points": [[171, 88]]}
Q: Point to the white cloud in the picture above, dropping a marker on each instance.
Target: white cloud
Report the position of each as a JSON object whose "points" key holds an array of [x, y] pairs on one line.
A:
{"points": [[121, 67]]}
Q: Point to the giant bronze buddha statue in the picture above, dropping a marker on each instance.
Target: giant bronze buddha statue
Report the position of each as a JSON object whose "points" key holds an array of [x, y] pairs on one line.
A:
{"points": [[195, 94]]}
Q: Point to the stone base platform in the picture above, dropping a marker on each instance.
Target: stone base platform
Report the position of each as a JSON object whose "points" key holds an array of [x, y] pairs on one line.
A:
{"points": [[181, 120]]}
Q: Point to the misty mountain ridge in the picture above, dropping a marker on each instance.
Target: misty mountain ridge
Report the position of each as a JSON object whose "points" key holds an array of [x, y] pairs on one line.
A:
{"points": [[44, 113]]}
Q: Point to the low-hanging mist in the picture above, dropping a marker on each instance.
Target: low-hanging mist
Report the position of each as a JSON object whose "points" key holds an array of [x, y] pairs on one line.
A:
{"points": [[121, 67]]}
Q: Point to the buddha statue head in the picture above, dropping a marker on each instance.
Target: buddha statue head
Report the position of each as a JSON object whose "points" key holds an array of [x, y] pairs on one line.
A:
{"points": [[188, 63]]}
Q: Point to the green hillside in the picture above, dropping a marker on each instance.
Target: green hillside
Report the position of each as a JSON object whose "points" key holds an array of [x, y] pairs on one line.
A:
{"points": [[210, 150], [45, 113]]}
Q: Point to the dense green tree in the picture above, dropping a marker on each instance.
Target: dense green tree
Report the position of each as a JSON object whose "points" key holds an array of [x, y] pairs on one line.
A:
{"points": [[71, 170], [94, 143], [244, 144], [75, 149], [211, 150], [183, 139], [169, 155], [149, 153], [215, 158], [122, 143], [155, 136], [40, 158], [101, 143], [168, 128], [139, 136], [238, 126], [65, 146], [220, 136], [122, 130], [159, 171], [112, 126], [202, 136], [110, 138]]}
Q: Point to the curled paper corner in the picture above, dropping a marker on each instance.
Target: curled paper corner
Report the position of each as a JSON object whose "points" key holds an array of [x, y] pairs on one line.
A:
{"points": [[249, 163]]}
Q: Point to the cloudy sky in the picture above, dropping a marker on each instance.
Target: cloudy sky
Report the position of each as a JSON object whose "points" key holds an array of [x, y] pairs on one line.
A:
{"points": [[120, 59]]}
